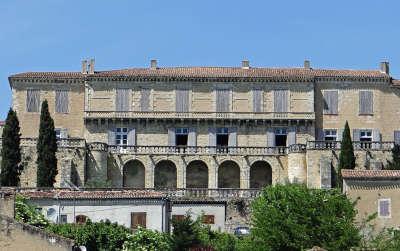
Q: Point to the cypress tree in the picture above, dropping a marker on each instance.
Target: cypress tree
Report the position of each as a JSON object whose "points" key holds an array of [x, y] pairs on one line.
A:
{"points": [[347, 160], [395, 163], [11, 166], [46, 149]]}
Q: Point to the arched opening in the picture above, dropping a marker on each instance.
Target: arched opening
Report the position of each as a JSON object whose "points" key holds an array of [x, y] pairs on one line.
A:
{"points": [[165, 174], [260, 174], [229, 175], [197, 174], [134, 174]]}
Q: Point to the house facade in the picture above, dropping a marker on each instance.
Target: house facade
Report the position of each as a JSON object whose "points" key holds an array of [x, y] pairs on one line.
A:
{"points": [[207, 127]]}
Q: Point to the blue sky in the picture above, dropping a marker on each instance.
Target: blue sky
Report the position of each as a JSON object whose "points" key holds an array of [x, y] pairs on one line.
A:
{"points": [[54, 35]]}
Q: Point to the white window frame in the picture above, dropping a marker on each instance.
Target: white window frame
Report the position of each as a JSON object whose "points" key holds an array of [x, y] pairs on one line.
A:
{"points": [[389, 208], [330, 133], [121, 136], [366, 136]]}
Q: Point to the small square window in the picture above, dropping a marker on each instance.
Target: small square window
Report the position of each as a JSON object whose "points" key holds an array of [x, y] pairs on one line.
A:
{"points": [[330, 135], [384, 208], [63, 219], [366, 135]]}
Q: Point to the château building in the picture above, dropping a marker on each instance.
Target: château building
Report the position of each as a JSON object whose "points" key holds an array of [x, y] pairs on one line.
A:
{"points": [[207, 127]]}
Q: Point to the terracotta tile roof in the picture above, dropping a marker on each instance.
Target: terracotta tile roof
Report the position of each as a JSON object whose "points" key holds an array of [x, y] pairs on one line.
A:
{"points": [[396, 82], [91, 194], [212, 72], [370, 174]]}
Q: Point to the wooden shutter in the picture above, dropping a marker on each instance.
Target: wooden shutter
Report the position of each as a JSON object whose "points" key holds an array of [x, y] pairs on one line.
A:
{"points": [[281, 100], [291, 136], [366, 102], [122, 99], [145, 100], [208, 219], [271, 137], [182, 100], [222, 100], [356, 134], [326, 173], [397, 137], [178, 217], [171, 137], [132, 137], [138, 219], [111, 136], [330, 102], [232, 138], [32, 100], [192, 139], [61, 101], [257, 100]]}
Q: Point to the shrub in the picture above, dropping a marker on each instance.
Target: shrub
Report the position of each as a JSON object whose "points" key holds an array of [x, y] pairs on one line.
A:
{"points": [[293, 217], [28, 214], [147, 240]]}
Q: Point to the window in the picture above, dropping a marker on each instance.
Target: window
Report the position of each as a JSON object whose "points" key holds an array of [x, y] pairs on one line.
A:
{"points": [[208, 219], [396, 137], [122, 100], [281, 101], [222, 100], [366, 135], [330, 135], [182, 100], [62, 101], [280, 136], [58, 133], [138, 219], [121, 136], [257, 100], [384, 208], [32, 100], [365, 102], [330, 102], [181, 136], [145, 100], [178, 217], [222, 137], [81, 219], [63, 218]]}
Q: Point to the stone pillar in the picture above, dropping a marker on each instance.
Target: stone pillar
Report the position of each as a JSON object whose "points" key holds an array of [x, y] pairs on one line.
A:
{"points": [[97, 161], [297, 169], [245, 175], [149, 176], [213, 173], [180, 173]]}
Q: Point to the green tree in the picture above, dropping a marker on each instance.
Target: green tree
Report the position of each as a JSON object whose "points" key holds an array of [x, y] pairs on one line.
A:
{"points": [[293, 217], [147, 240], [11, 166], [185, 233], [46, 149], [347, 160], [394, 164]]}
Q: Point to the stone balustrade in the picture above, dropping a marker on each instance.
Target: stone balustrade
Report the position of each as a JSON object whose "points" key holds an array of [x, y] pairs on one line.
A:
{"points": [[199, 115], [358, 145], [62, 143]]}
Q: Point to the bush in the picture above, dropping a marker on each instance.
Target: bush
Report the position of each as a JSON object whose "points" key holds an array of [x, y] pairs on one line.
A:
{"points": [[293, 217], [148, 240], [28, 214], [102, 235], [186, 233]]}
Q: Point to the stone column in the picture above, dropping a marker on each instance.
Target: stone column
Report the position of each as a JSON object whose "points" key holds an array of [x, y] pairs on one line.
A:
{"points": [[213, 173], [97, 161], [180, 173], [297, 169], [245, 174], [149, 177]]}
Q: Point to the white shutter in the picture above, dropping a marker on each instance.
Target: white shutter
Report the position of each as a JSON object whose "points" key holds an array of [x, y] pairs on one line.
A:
{"points": [[376, 137], [32, 100], [339, 134], [366, 102], [222, 100], [212, 139], [182, 100], [396, 137], [111, 136], [257, 100], [326, 173], [330, 102], [356, 134], [145, 100], [271, 137], [132, 137], [122, 100], [281, 100], [64, 133], [192, 137], [291, 136], [232, 138], [171, 137]]}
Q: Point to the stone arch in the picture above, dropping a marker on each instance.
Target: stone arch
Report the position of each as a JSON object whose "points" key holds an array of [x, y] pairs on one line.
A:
{"points": [[133, 174], [165, 174], [260, 174], [229, 175], [197, 174]]}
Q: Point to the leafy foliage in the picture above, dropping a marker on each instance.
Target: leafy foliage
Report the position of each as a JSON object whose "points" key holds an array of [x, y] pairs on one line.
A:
{"points": [[28, 214], [148, 240], [11, 167], [185, 233], [46, 149], [388, 240], [98, 183], [394, 164], [293, 217], [347, 160], [102, 235]]}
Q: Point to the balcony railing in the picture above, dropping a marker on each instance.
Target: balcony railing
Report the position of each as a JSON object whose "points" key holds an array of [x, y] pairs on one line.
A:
{"points": [[216, 193], [358, 145], [199, 115], [201, 150], [62, 143]]}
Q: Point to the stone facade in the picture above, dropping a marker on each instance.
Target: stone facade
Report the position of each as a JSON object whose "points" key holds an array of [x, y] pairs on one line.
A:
{"points": [[242, 127]]}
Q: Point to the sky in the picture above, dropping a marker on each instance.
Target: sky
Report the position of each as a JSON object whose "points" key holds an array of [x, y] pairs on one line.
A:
{"points": [[55, 35]]}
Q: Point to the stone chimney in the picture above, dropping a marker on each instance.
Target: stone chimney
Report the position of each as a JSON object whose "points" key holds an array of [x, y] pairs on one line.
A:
{"points": [[91, 66], [307, 64], [385, 67], [245, 64], [84, 67], [153, 64]]}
